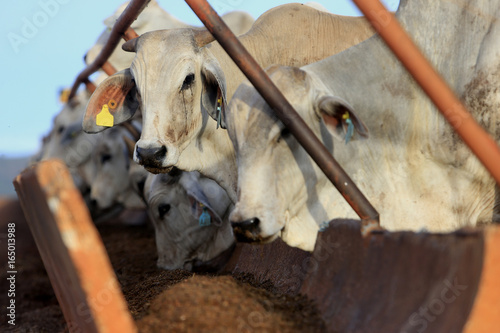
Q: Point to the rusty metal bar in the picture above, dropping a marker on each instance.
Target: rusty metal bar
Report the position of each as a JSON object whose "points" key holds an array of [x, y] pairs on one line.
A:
{"points": [[481, 144], [284, 110], [89, 85], [72, 251], [134, 8], [108, 68], [130, 34]]}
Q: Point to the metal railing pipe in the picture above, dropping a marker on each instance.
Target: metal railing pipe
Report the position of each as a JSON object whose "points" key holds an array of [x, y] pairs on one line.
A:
{"points": [[130, 34], [108, 68], [476, 138], [89, 85], [284, 110], [134, 8]]}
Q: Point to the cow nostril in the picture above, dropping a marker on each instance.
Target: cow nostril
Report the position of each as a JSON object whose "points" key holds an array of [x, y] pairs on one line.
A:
{"points": [[247, 230], [254, 222], [247, 224], [138, 153], [161, 153], [93, 203], [151, 155]]}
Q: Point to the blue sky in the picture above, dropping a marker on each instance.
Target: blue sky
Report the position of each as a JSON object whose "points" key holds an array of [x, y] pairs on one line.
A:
{"points": [[42, 46]]}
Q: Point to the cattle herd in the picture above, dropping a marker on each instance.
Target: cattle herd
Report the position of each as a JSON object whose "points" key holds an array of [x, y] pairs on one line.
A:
{"points": [[180, 132]]}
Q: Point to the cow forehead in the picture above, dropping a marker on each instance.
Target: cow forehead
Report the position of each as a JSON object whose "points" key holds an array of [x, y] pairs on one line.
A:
{"points": [[163, 59], [172, 194], [163, 45]]}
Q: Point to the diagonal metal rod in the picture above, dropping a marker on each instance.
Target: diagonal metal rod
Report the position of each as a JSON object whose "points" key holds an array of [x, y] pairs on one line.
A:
{"points": [[284, 110], [121, 28], [481, 144]]}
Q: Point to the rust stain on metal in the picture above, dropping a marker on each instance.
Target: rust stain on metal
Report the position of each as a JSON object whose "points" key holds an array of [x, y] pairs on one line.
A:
{"points": [[129, 34], [485, 315]]}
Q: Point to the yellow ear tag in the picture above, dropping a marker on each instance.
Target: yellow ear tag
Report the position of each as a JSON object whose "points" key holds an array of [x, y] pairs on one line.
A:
{"points": [[63, 97], [104, 118]]}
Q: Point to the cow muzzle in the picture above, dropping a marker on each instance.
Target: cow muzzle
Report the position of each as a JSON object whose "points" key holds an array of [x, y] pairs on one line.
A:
{"points": [[248, 230], [152, 158]]}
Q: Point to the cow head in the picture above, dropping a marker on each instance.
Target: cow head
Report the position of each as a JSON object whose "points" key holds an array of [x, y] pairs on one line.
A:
{"points": [[175, 204], [112, 183], [277, 180], [177, 84], [66, 140]]}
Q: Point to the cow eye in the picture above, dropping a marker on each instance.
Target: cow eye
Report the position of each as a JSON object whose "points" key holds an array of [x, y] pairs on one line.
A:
{"points": [[60, 129], [188, 81], [105, 158], [163, 210]]}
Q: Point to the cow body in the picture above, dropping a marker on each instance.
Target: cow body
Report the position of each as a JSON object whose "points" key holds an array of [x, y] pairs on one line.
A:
{"points": [[413, 168]]}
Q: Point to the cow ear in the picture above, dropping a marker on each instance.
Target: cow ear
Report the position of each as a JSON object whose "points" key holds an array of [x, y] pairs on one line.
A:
{"points": [[207, 193], [113, 102], [213, 95], [340, 119]]}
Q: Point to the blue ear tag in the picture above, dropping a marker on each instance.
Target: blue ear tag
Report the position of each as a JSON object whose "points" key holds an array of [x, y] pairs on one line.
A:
{"points": [[323, 226], [219, 111], [205, 218], [350, 127]]}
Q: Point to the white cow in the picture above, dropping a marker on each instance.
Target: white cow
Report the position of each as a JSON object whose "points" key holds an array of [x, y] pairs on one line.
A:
{"points": [[414, 169], [180, 79], [152, 18], [67, 141], [175, 204], [116, 176]]}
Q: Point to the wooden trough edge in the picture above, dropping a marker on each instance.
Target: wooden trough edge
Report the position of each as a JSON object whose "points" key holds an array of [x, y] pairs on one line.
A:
{"points": [[399, 281], [72, 252]]}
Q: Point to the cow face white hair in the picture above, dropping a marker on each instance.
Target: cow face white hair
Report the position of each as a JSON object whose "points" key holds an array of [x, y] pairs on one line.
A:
{"points": [[277, 180], [167, 63], [175, 204]]}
